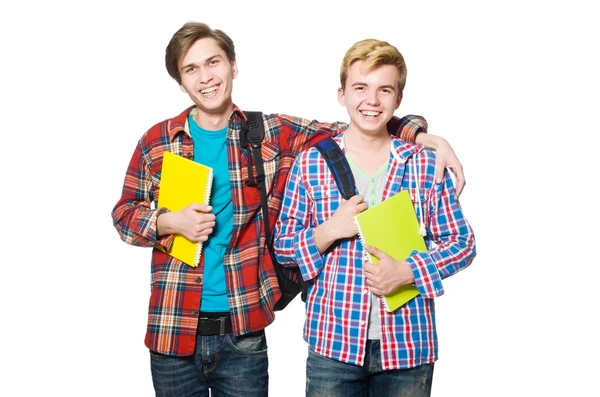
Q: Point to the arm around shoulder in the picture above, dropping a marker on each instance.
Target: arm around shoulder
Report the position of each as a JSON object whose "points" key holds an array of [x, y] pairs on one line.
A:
{"points": [[445, 158]]}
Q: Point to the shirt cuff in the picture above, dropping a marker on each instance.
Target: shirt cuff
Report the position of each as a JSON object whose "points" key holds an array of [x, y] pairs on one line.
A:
{"points": [[308, 258], [165, 242], [427, 278]]}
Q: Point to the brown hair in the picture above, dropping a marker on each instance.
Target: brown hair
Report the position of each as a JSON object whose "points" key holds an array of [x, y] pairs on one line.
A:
{"points": [[186, 36], [374, 53]]}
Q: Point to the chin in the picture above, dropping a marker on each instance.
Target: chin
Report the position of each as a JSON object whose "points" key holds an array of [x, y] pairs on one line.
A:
{"points": [[212, 108]]}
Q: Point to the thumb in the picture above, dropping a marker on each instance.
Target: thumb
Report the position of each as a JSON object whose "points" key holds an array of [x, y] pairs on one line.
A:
{"points": [[376, 252]]}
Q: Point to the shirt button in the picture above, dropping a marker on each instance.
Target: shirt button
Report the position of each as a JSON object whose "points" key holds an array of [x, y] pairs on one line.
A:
{"points": [[198, 280], [366, 291], [188, 155], [195, 312], [362, 322]]}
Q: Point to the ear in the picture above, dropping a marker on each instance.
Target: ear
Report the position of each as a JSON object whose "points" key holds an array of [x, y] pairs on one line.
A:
{"points": [[399, 100], [234, 69], [341, 98]]}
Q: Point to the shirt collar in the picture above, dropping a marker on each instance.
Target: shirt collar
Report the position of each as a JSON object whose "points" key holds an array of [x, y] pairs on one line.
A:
{"points": [[180, 123]]}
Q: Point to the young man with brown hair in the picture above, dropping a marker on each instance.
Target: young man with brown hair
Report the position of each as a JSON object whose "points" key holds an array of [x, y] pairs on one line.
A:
{"points": [[206, 323]]}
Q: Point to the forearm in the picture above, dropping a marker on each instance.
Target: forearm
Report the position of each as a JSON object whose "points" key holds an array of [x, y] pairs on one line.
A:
{"points": [[302, 133], [324, 237], [133, 215], [166, 224], [299, 249], [136, 224], [431, 142], [454, 242]]}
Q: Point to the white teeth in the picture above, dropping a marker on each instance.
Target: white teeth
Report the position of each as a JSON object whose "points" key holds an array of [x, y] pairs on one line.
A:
{"points": [[370, 114], [209, 91]]}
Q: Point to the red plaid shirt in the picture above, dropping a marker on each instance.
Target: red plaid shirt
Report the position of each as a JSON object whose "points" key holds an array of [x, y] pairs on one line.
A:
{"points": [[249, 274]]}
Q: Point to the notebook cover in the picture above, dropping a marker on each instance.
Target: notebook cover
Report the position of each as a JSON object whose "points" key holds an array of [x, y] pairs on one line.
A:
{"points": [[183, 182], [392, 226]]}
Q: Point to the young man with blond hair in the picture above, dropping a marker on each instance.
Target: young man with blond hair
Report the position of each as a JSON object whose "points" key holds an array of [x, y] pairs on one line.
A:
{"points": [[206, 323], [356, 347]]}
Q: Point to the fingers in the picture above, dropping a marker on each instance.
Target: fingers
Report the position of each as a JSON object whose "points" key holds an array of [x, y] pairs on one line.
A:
{"points": [[205, 227], [374, 289], [360, 208], [377, 253], [460, 180], [457, 170], [205, 218], [440, 167], [202, 231], [357, 199], [369, 269], [200, 207], [358, 203]]}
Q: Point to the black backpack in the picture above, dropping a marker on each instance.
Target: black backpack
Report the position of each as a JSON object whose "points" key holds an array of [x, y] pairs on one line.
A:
{"points": [[289, 279], [251, 135]]}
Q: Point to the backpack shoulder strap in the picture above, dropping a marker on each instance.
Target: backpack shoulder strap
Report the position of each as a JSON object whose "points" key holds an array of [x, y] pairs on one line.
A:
{"points": [[253, 131], [251, 136], [338, 165]]}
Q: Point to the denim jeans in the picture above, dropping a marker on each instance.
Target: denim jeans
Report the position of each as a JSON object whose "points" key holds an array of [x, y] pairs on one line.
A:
{"points": [[229, 366], [328, 378]]}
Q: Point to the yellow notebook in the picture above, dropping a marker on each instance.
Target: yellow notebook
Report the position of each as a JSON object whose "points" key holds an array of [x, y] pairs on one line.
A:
{"points": [[392, 226], [184, 182]]}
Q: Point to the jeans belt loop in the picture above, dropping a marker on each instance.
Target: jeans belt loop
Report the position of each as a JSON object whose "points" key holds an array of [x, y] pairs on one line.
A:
{"points": [[222, 324]]}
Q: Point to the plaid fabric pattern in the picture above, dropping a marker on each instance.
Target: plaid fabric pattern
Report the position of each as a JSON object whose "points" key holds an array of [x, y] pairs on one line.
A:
{"points": [[176, 289], [338, 303]]}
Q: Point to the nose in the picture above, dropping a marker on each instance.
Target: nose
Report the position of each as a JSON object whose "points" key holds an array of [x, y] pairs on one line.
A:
{"points": [[205, 76], [372, 98]]}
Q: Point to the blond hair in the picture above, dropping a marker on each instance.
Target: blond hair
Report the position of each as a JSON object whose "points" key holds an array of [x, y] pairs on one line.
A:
{"points": [[374, 53]]}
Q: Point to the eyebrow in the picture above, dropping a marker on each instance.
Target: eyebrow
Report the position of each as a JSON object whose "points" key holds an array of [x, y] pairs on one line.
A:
{"points": [[206, 61], [359, 84]]}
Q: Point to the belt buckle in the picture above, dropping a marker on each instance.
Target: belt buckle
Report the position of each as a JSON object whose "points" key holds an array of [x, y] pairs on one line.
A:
{"points": [[214, 325]]}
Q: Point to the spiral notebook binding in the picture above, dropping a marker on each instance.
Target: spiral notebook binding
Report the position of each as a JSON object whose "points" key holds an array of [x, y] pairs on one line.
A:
{"points": [[207, 202], [368, 257]]}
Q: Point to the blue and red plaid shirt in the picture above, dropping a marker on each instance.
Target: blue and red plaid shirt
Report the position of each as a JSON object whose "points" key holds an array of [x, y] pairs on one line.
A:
{"points": [[176, 288], [339, 299]]}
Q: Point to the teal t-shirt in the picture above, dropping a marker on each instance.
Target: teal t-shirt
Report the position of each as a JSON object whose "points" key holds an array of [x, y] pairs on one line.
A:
{"points": [[210, 148]]}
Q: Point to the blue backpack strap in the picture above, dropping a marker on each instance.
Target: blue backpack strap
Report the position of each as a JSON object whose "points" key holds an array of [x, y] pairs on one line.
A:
{"points": [[338, 165]]}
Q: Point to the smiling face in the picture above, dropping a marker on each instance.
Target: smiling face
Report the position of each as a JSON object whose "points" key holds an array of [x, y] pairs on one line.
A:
{"points": [[207, 77], [370, 97]]}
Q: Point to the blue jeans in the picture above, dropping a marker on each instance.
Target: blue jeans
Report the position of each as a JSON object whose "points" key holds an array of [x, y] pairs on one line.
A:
{"points": [[229, 366], [328, 378]]}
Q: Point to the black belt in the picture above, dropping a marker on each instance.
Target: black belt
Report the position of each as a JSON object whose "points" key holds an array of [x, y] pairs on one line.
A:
{"points": [[214, 324]]}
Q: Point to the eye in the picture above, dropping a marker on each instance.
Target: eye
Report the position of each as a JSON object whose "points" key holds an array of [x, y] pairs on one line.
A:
{"points": [[214, 62], [359, 88], [386, 90], [189, 69]]}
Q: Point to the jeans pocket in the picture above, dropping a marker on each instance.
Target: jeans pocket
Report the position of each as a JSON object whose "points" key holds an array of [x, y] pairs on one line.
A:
{"points": [[158, 355], [250, 344]]}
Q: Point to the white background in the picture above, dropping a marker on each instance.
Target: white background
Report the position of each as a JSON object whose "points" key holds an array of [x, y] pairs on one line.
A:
{"points": [[512, 85]]}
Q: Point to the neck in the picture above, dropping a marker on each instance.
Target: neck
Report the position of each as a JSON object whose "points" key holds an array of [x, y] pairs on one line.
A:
{"points": [[366, 142], [368, 151], [216, 120]]}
